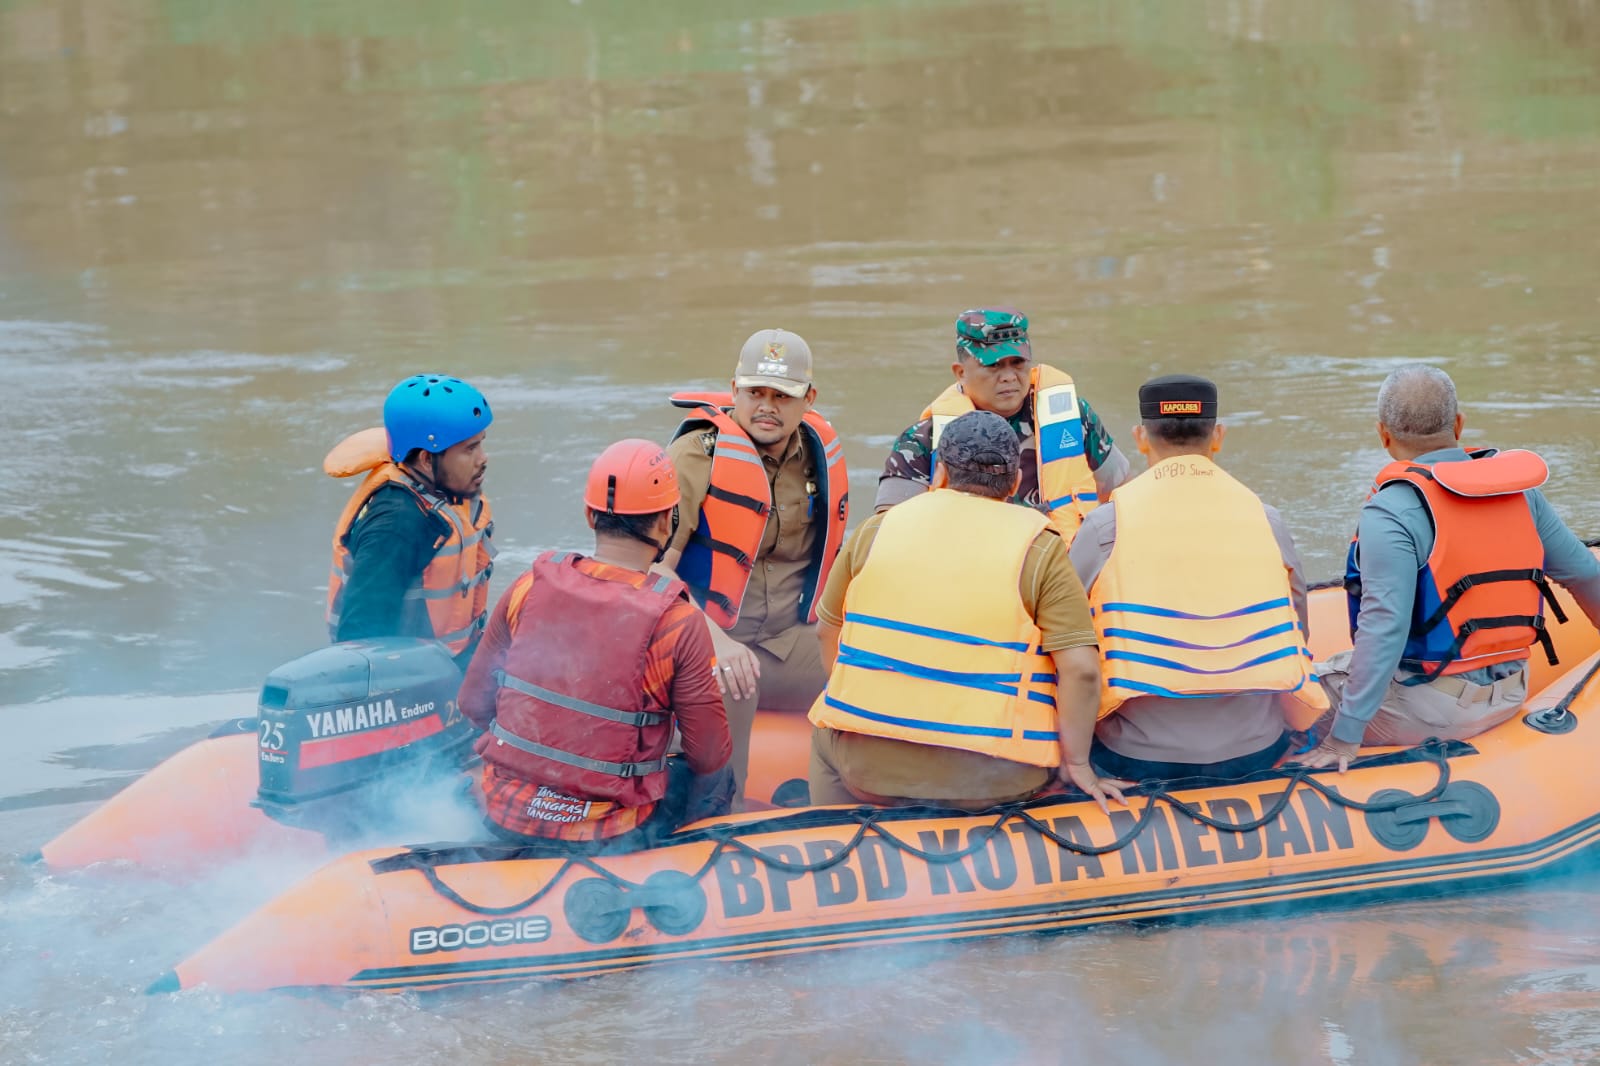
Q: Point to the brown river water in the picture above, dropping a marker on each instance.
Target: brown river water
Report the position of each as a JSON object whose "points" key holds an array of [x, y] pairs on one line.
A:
{"points": [[226, 228]]}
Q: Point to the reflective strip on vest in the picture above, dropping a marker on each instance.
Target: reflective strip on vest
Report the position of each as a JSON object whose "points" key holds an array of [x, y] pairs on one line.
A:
{"points": [[1191, 544], [610, 714], [566, 758], [985, 687]]}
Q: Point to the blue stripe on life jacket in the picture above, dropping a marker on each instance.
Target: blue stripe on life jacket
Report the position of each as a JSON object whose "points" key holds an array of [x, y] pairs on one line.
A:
{"points": [[1164, 612], [915, 723], [1001, 684], [1171, 642], [930, 631], [1167, 693], [1169, 664]]}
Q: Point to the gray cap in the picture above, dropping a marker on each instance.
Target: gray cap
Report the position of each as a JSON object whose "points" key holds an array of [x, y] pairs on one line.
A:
{"points": [[774, 359], [980, 440]]}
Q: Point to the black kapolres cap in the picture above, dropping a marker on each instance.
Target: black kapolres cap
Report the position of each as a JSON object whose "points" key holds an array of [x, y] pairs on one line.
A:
{"points": [[980, 440], [1178, 396]]}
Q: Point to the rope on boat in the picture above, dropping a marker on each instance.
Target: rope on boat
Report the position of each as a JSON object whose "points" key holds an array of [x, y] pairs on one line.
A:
{"points": [[871, 820], [729, 839]]}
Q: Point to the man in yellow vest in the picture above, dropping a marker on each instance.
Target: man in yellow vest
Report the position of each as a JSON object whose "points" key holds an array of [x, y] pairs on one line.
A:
{"points": [[963, 671], [1069, 462], [1199, 605]]}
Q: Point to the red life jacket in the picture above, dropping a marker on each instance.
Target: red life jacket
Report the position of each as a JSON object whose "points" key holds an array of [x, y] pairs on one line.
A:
{"points": [[572, 712], [1480, 593], [717, 561]]}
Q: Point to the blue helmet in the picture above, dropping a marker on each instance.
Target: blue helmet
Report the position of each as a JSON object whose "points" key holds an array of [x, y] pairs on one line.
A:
{"points": [[433, 412]]}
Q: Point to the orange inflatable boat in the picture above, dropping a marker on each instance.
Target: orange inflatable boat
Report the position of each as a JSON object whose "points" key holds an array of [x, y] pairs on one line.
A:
{"points": [[216, 800], [1444, 817]]}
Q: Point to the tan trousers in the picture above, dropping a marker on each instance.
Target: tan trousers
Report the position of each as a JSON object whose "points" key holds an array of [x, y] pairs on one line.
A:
{"points": [[984, 782], [1448, 707], [791, 684]]}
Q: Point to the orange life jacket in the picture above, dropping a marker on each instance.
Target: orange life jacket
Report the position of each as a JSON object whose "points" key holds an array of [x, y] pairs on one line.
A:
{"points": [[1480, 593], [454, 587], [717, 561]]}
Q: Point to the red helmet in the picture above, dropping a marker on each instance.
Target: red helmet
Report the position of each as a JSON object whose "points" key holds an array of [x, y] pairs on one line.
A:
{"points": [[632, 477]]}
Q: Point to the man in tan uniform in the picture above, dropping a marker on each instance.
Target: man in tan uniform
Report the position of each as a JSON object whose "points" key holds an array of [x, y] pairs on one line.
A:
{"points": [[903, 729], [763, 512]]}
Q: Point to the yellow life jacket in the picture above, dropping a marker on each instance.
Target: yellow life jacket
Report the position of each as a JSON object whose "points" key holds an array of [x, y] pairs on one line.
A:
{"points": [[1195, 599], [454, 587], [1067, 491], [937, 647]]}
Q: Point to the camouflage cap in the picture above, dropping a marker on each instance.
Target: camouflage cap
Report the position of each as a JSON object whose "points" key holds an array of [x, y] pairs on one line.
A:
{"points": [[990, 334], [983, 441]]}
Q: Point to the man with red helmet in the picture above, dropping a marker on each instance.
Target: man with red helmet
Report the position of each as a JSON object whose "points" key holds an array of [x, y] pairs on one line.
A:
{"points": [[587, 664]]}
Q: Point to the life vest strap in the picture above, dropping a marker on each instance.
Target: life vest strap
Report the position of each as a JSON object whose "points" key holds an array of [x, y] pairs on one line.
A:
{"points": [[739, 499], [599, 766], [1171, 664], [1166, 612], [595, 710], [1474, 625], [1004, 684], [1485, 577], [1172, 642], [938, 634], [953, 728], [732, 551]]}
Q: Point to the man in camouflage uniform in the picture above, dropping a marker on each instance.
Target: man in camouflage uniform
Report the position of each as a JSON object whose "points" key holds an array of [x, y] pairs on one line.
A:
{"points": [[995, 371]]}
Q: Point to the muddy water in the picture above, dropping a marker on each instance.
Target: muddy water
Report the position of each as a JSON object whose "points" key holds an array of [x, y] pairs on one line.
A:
{"points": [[227, 228]]}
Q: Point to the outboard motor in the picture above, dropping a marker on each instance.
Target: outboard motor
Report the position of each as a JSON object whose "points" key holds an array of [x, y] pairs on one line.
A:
{"points": [[348, 729]]}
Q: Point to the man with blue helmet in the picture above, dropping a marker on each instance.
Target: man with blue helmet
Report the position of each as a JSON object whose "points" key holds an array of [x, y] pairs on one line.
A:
{"points": [[412, 552]]}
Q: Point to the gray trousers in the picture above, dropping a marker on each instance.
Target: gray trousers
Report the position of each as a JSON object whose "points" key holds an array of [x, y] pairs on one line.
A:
{"points": [[1448, 707]]}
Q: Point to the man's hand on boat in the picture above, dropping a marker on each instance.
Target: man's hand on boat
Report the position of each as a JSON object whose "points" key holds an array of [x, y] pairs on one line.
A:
{"points": [[1329, 752], [1082, 776], [737, 666]]}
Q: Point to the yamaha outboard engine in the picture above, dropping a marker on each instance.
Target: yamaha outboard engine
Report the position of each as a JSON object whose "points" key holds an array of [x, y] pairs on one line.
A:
{"points": [[347, 729]]}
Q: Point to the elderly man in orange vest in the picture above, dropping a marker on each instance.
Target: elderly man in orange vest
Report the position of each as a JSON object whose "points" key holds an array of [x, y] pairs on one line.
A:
{"points": [[1439, 521]]}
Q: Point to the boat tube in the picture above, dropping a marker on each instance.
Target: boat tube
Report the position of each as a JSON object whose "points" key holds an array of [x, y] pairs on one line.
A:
{"points": [[1515, 801], [312, 773]]}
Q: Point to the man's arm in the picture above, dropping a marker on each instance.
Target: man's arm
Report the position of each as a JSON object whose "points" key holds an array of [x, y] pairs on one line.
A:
{"points": [[692, 463], [1111, 468], [1077, 709], [828, 638], [695, 699], [1291, 563], [1066, 630], [1389, 567], [1567, 560], [830, 605], [1092, 546], [908, 470], [391, 545], [478, 688]]}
